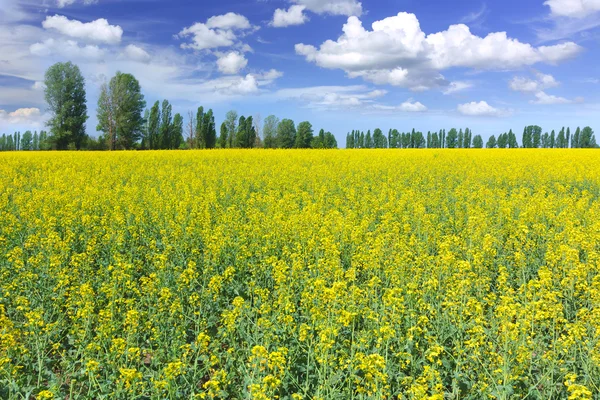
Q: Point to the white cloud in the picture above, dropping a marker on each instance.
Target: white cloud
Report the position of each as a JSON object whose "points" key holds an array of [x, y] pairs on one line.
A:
{"points": [[66, 48], [397, 52], [135, 53], [218, 31], [228, 21], [38, 86], [64, 3], [293, 16], [548, 99], [332, 7], [481, 109], [573, 8], [28, 118], [457, 86], [409, 106], [97, 31], [334, 97], [231, 63], [526, 85]]}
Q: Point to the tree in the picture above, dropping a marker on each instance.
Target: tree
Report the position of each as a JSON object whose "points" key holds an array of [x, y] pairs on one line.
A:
{"points": [[491, 143], [36, 141], [258, 129], [379, 140], [461, 139], [209, 130], [145, 130], [223, 136], [576, 139], [246, 134], [231, 120], [154, 127], [166, 125], [568, 138], [512, 140], [561, 139], [65, 95], [200, 144], [304, 135], [587, 139], [120, 109], [452, 139], [27, 141], [286, 134], [319, 140], [177, 132], [270, 132], [502, 141], [330, 142], [478, 142], [191, 129]]}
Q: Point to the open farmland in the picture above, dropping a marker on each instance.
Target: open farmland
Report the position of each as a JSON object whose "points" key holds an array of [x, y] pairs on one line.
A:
{"points": [[301, 274]]}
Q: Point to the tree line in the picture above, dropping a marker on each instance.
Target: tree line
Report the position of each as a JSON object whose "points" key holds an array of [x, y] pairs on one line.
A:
{"points": [[127, 124], [459, 139]]}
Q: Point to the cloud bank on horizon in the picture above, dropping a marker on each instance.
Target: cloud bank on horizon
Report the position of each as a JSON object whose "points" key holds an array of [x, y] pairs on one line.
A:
{"points": [[337, 62]]}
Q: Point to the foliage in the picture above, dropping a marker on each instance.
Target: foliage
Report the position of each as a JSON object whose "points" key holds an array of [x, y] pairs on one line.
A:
{"points": [[65, 96]]}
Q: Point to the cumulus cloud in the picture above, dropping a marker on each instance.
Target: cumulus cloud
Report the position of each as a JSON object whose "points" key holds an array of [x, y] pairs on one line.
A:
{"points": [[548, 99], [22, 117], [218, 31], [409, 106], [228, 21], [481, 109], [66, 48], [332, 7], [397, 52], [97, 31], [243, 85], [573, 8], [527, 85], [537, 87], [457, 86], [135, 53], [231, 63], [293, 16]]}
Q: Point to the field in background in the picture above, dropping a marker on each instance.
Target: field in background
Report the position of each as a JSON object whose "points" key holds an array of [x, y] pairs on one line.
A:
{"points": [[426, 274]]}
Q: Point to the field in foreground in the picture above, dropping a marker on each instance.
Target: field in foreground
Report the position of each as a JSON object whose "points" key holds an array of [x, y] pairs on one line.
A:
{"points": [[421, 274]]}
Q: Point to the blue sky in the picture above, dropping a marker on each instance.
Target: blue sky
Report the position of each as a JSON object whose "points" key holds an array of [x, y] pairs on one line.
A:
{"points": [[340, 64]]}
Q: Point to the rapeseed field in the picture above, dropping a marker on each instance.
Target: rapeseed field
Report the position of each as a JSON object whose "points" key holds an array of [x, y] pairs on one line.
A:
{"points": [[425, 274]]}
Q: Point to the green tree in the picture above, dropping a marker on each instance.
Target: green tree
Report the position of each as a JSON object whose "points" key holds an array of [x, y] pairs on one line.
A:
{"points": [[200, 129], [36, 141], [120, 109], [223, 136], [304, 135], [27, 141], [177, 132], [66, 98], [166, 125], [478, 142], [452, 139], [231, 120], [209, 130], [587, 139], [154, 127], [491, 143], [270, 132], [286, 134], [576, 139]]}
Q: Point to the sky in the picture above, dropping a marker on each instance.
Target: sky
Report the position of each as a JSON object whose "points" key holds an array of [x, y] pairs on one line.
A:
{"points": [[490, 66]]}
